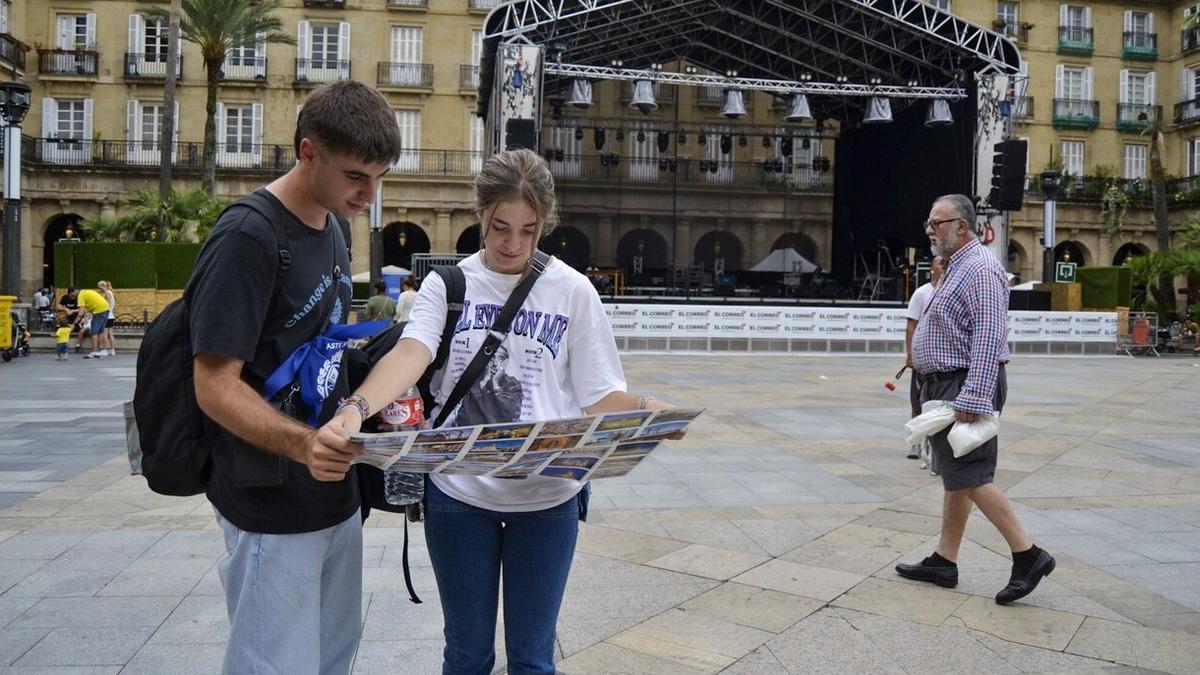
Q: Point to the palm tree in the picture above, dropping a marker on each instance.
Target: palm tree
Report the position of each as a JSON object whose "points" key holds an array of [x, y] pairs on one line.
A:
{"points": [[216, 26], [182, 217], [1163, 290]]}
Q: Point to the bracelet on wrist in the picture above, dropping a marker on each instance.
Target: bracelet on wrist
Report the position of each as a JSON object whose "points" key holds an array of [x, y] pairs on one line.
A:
{"points": [[356, 401], [643, 401]]}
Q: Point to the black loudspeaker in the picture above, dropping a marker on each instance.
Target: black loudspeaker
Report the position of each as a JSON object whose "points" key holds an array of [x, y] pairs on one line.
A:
{"points": [[1030, 301], [1008, 175], [520, 134]]}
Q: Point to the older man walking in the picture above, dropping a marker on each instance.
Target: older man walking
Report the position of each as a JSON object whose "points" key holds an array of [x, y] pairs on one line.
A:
{"points": [[961, 347]]}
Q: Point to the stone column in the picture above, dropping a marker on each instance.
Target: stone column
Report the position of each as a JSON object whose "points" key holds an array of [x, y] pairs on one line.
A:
{"points": [[441, 232], [604, 251], [758, 243], [682, 255], [108, 209]]}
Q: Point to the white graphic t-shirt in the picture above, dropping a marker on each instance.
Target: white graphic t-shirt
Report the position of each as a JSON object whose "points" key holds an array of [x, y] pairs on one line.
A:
{"points": [[919, 301], [559, 357]]}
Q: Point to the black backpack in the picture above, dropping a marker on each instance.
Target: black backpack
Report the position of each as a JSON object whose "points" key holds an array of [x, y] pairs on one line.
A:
{"points": [[174, 436]]}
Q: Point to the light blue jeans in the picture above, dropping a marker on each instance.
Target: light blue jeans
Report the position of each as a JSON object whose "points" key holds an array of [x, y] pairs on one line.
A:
{"points": [[294, 600]]}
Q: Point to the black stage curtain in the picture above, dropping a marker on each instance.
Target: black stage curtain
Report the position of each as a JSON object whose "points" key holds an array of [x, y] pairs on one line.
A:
{"points": [[887, 175]]}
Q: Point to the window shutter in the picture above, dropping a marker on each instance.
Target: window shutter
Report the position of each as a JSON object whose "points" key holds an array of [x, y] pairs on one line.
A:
{"points": [[1087, 84], [343, 44], [1185, 84], [133, 125], [476, 47], [49, 117], [175, 136], [304, 40], [91, 31], [1151, 94], [1150, 22], [1062, 15], [257, 132], [1087, 17], [1059, 76], [137, 28], [219, 120], [260, 55], [66, 32], [1123, 92], [87, 121], [1128, 21]]}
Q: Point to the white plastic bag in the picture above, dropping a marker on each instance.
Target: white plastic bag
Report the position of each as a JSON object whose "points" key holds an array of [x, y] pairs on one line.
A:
{"points": [[935, 416], [966, 436]]}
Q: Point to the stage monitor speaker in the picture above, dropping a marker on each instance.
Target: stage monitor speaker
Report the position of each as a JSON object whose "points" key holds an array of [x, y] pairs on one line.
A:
{"points": [[1029, 301], [520, 134], [1008, 175]]}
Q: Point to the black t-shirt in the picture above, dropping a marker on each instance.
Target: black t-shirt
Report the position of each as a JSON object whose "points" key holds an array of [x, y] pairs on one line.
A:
{"points": [[241, 306]]}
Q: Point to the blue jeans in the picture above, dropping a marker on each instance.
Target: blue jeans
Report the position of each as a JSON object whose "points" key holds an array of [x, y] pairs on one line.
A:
{"points": [[294, 600], [470, 549]]}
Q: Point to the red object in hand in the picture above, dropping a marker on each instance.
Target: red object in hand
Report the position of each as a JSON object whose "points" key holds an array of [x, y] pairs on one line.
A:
{"points": [[891, 386]]}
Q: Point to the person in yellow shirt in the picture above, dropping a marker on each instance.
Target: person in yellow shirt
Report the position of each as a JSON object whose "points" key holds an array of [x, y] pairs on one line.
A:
{"points": [[62, 340], [95, 304]]}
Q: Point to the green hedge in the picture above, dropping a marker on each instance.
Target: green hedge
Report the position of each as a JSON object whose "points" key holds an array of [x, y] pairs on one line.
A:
{"points": [[124, 264], [1105, 287]]}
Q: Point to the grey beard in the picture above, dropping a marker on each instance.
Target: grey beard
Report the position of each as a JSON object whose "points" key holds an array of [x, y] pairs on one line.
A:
{"points": [[939, 249]]}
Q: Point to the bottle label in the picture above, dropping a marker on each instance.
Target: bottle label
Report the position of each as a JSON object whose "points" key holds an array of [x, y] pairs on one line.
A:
{"points": [[404, 412]]}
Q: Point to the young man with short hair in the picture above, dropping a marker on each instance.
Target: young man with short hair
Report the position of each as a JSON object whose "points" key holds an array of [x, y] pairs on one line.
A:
{"points": [[293, 566]]}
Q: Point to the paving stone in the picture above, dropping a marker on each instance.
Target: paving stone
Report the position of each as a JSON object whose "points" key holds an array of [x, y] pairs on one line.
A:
{"points": [[93, 612], [176, 659], [754, 607], [91, 646], [758, 662], [623, 545], [158, 576], [924, 603], [1023, 624], [13, 572], [709, 562], [702, 633], [197, 620], [386, 657], [39, 545], [1140, 647], [14, 642], [1177, 581], [609, 659], [826, 643], [818, 583]]}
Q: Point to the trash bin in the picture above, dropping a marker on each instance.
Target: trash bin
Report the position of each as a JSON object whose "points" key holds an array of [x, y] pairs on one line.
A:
{"points": [[6, 323]]}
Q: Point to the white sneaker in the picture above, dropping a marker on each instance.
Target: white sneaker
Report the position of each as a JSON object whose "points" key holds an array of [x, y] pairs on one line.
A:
{"points": [[112, 352], [92, 355]]}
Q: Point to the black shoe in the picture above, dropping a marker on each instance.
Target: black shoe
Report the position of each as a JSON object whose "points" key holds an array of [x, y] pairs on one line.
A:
{"points": [[946, 577], [1019, 587]]}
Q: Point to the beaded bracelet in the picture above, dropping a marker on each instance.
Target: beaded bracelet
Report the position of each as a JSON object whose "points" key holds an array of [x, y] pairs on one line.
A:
{"points": [[358, 402], [643, 401]]}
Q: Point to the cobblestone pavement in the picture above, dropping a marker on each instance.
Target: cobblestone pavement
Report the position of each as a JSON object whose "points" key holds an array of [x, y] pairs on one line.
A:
{"points": [[763, 543]]}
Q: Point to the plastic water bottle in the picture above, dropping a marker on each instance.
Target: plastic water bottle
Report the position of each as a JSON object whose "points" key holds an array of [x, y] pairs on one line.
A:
{"points": [[406, 413]]}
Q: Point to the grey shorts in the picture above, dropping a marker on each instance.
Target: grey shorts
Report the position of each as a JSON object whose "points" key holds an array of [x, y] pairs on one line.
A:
{"points": [[977, 467]]}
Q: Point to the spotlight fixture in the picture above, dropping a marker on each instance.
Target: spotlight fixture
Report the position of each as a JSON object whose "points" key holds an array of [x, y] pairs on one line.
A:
{"points": [[581, 94], [598, 138], [682, 139], [558, 155], [939, 114], [726, 144], [702, 139], [742, 142], [805, 143], [766, 141], [664, 141], [643, 97], [879, 111], [641, 136], [798, 111], [578, 133], [735, 105], [690, 70], [620, 135], [785, 146]]}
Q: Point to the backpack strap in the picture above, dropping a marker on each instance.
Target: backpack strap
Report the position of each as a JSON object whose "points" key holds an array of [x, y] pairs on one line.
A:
{"points": [[495, 336], [456, 292], [260, 204]]}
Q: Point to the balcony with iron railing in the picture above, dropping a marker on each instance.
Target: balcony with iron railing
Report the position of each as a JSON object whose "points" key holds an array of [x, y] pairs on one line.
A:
{"points": [[1014, 31], [1075, 40], [482, 5], [408, 4], [418, 75], [1189, 39], [1139, 46], [1137, 116], [149, 66], [318, 71], [83, 62], [245, 70], [776, 174], [468, 78], [1187, 112], [1075, 113], [1022, 109], [325, 4], [12, 51]]}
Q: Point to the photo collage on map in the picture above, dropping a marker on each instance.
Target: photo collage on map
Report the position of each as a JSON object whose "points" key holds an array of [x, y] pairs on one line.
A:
{"points": [[582, 448]]}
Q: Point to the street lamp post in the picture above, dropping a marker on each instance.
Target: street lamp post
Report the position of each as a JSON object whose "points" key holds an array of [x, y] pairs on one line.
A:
{"points": [[1051, 184], [14, 105], [376, 218]]}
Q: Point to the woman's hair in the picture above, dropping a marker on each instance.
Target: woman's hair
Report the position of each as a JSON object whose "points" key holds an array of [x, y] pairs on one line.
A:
{"points": [[512, 175], [104, 285], [409, 282]]}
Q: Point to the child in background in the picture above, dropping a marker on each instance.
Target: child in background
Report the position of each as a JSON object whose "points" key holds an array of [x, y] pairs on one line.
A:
{"points": [[62, 340]]}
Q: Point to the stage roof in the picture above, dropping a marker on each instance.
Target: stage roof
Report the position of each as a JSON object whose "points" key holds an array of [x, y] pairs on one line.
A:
{"points": [[897, 41]]}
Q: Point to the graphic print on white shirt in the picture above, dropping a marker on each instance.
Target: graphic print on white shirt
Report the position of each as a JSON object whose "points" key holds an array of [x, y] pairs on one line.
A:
{"points": [[558, 358]]}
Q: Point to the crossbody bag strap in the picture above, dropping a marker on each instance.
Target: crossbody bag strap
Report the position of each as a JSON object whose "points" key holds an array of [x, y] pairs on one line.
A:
{"points": [[456, 291], [495, 336]]}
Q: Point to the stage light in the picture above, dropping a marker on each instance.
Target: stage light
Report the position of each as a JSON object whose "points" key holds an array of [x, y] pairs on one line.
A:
{"points": [[643, 97], [641, 136], [879, 111], [682, 139], [735, 105], [798, 112], [664, 141], [939, 114], [581, 94], [742, 142], [766, 141], [579, 133], [598, 138], [726, 144]]}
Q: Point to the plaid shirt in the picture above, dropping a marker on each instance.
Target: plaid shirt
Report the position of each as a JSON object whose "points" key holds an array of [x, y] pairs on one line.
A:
{"points": [[966, 326]]}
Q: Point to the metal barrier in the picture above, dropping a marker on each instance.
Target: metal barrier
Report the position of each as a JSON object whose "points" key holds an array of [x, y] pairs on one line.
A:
{"points": [[1140, 335], [421, 262]]}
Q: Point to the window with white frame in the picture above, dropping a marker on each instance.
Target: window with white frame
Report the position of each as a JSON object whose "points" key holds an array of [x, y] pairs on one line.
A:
{"points": [[1009, 13], [722, 162], [143, 131], [248, 61], [155, 42], [1073, 83], [643, 153], [407, 46], [1073, 89], [1189, 94], [1135, 87], [76, 31], [324, 51], [1193, 157], [798, 168], [476, 141], [562, 138], [239, 134], [943, 5], [71, 119], [1075, 16], [325, 45], [149, 124], [67, 126], [1135, 160], [409, 122], [1139, 23], [1072, 157], [4, 9]]}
